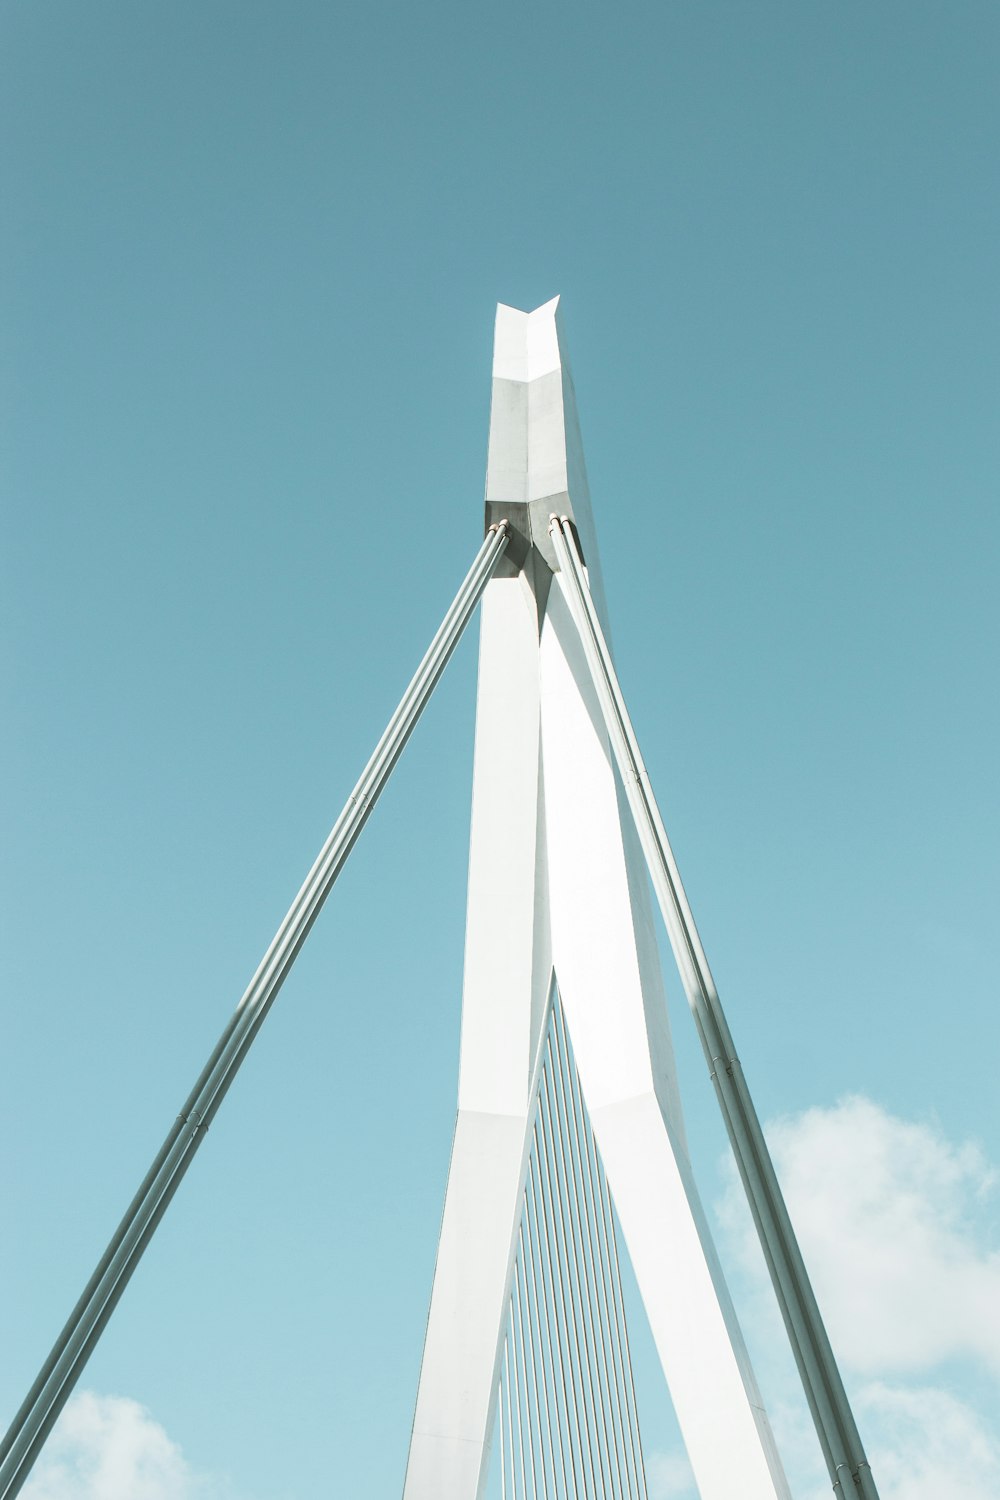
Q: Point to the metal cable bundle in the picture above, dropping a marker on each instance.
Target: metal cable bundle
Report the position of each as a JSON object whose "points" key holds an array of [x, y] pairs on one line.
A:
{"points": [[34, 1421], [569, 1428]]}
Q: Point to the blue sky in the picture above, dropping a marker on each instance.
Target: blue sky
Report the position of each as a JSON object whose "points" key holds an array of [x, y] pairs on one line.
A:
{"points": [[250, 258]]}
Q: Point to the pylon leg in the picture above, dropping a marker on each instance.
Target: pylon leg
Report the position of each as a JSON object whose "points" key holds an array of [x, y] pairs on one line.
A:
{"points": [[507, 971], [605, 958]]}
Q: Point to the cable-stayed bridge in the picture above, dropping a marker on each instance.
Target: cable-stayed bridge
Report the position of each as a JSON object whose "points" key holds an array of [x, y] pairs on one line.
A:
{"points": [[569, 1135]]}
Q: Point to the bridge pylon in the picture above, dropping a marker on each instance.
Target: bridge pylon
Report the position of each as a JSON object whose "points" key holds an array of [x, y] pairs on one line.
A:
{"points": [[566, 836]]}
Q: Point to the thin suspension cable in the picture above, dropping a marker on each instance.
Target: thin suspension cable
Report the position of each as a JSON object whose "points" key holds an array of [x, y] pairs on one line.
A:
{"points": [[567, 1391], [59, 1373], [835, 1424], [579, 1431], [572, 1277], [510, 1427], [576, 1214], [516, 1398], [543, 1354], [585, 1133], [608, 1224], [581, 1132], [521, 1277], [521, 1345], [573, 1390], [503, 1432], [571, 1084], [563, 1322], [582, 1266], [616, 1315], [562, 1405]]}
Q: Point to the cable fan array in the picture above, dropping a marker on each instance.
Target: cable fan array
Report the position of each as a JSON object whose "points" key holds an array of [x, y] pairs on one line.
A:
{"points": [[569, 1428]]}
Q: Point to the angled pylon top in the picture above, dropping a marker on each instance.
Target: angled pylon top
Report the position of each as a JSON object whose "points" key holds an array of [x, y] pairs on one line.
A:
{"points": [[535, 464]]}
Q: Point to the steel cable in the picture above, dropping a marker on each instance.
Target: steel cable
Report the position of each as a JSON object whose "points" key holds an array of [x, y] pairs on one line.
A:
{"points": [[55, 1381], [568, 1420], [824, 1389]]}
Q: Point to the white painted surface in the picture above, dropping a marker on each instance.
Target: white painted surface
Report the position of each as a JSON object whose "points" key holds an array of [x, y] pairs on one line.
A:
{"points": [[612, 994], [556, 877], [507, 969]]}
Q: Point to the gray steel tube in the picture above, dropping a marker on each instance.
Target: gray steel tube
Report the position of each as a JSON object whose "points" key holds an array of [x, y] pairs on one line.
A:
{"points": [[59, 1374], [821, 1379]]}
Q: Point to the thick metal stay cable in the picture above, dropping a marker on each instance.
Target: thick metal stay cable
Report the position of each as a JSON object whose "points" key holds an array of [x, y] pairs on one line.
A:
{"points": [[835, 1425], [59, 1374]]}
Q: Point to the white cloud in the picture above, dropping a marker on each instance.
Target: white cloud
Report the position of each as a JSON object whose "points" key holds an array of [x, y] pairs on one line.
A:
{"points": [[928, 1444], [669, 1477], [923, 1443], [890, 1217], [110, 1448], [898, 1230]]}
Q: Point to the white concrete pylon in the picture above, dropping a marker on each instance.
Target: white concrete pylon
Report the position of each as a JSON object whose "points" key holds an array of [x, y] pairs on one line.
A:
{"points": [[557, 882]]}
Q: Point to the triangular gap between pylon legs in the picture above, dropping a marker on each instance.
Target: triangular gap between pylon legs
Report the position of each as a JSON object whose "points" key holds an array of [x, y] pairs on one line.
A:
{"points": [[566, 1418]]}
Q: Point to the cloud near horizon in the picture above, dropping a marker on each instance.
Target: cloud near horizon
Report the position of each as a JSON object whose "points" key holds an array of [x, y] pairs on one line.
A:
{"points": [[111, 1448], [898, 1228], [892, 1221]]}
